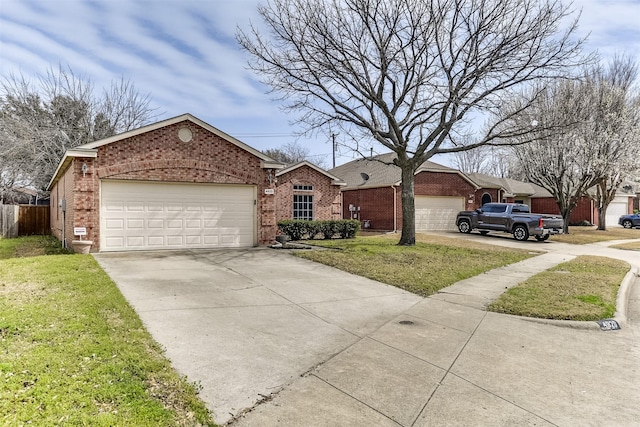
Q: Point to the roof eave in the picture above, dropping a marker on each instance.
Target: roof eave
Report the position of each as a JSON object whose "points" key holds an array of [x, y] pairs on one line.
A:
{"points": [[69, 155], [172, 121]]}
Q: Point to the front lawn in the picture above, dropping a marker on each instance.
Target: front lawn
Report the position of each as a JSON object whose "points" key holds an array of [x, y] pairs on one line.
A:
{"points": [[584, 288], [73, 352], [586, 235], [435, 262], [631, 246]]}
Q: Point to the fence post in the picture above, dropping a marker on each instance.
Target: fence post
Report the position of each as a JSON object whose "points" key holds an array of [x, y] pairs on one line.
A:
{"points": [[8, 221]]}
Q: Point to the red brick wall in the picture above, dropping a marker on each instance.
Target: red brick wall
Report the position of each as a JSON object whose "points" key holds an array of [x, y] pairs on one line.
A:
{"points": [[159, 155], [63, 190], [326, 196], [548, 205], [376, 205]]}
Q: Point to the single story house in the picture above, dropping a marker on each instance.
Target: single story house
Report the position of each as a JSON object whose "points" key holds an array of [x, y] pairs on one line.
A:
{"points": [[373, 194], [181, 183]]}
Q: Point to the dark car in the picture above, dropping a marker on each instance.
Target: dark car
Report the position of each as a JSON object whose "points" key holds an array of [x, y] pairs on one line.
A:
{"points": [[630, 221]]}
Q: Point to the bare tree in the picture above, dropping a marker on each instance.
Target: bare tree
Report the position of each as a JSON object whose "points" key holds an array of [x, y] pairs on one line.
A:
{"points": [[556, 161], [600, 145], [293, 152], [40, 121], [614, 128], [486, 159], [410, 75]]}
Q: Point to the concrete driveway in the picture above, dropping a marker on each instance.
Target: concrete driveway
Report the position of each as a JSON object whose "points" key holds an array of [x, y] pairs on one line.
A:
{"points": [[245, 324], [321, 347]]}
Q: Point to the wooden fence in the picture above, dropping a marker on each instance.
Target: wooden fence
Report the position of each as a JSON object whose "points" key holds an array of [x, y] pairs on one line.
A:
{"points": [[24, 220], [8, 221]]}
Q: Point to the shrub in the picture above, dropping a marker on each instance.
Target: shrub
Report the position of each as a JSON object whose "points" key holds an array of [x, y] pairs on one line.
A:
{"points": [[329, 228], [294, 228], [348, 228], [313, 228], [297, 229]]}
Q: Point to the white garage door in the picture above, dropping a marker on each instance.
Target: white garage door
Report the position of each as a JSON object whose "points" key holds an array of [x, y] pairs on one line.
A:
{"points": [[149, 215], [618, 207], [437, 213]]}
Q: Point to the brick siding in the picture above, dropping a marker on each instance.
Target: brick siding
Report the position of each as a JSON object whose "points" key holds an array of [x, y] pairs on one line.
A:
{"points": [[584, 211], [326, 196], [159, 155]]}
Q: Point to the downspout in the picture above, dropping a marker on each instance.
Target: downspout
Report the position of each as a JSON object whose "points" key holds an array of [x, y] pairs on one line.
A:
{"points": [[395, 209]]}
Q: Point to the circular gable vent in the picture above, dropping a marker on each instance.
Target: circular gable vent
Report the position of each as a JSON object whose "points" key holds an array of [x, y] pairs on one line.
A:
{"points": [[185, 135]]}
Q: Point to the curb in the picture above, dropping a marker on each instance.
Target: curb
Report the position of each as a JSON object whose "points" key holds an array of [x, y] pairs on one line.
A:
{"points": [[619, 316]]}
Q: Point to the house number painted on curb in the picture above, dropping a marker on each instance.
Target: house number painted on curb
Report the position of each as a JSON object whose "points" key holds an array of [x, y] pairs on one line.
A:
{"points": [[608, 325]]}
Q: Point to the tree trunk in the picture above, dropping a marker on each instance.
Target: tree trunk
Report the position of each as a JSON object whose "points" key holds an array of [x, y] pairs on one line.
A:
{"points": [[408, 237], [602, 215], [566, 214]]}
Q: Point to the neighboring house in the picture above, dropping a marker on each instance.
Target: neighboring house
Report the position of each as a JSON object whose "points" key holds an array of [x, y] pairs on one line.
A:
{"points": [[306, 191], [538, 199], [179, 183], [25, 196], [373, 194]]}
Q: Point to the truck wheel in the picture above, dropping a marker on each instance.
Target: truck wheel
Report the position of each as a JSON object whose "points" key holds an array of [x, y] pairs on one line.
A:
{"points": [[627, 224], [542, 238], [520, 233], [464, 226]]}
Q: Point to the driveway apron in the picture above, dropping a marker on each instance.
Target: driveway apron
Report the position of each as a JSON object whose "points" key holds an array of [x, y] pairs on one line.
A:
{"points": [[244, 324]]}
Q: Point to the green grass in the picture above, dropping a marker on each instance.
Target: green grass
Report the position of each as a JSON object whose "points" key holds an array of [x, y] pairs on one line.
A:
{"points": [[73, 352], [30, 246], [586, 235], [584, 288], [631, 246], [432, 264]]}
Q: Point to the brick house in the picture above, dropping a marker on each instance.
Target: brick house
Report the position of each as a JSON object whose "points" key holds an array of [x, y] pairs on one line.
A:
{"points": [[178, 183], [373, 194]]}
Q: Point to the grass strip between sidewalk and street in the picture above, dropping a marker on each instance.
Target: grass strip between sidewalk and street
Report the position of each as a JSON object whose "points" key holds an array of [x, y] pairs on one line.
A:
{"points": [[73, 351], [584, 288], [585, 235], [435, 262]]}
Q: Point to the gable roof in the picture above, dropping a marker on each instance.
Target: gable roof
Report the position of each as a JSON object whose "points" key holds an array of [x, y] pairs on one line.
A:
{"points": [[91, 149], [379, 171], [511, 186], [290, 168], [178, 119]]}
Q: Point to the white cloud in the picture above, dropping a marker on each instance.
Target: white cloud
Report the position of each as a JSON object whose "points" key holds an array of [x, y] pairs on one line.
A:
{"points": [[184, 52]]}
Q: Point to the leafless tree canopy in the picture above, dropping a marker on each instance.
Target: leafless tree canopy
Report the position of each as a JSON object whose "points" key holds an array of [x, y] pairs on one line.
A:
{"points": [[40, 120], [411, 75], [293, 152], [600, 144]]}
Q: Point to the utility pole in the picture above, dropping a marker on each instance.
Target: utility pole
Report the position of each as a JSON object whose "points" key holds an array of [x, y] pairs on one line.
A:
{"points": [[333, 137]]}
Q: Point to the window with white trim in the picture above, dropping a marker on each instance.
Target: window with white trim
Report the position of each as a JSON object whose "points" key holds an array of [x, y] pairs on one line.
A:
{"points": [[300, 187], [303, 206]]}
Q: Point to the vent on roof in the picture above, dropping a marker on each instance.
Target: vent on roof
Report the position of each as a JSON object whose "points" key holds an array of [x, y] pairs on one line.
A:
{"points": [[364, 176]]}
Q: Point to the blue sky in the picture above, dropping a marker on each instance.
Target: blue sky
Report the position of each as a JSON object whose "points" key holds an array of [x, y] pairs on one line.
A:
{"points": [[184, 53]]}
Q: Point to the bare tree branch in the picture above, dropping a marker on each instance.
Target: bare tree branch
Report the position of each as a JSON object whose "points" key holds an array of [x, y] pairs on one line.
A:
{"points": [[410, 74]]}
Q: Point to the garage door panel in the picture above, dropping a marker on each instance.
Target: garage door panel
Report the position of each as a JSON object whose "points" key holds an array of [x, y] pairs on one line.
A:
{"points": [[142, 215], [615, 210], [437, 213]]}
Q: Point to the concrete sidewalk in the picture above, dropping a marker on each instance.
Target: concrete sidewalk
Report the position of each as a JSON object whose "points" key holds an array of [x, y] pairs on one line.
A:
{"points": [[276, 340]]}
